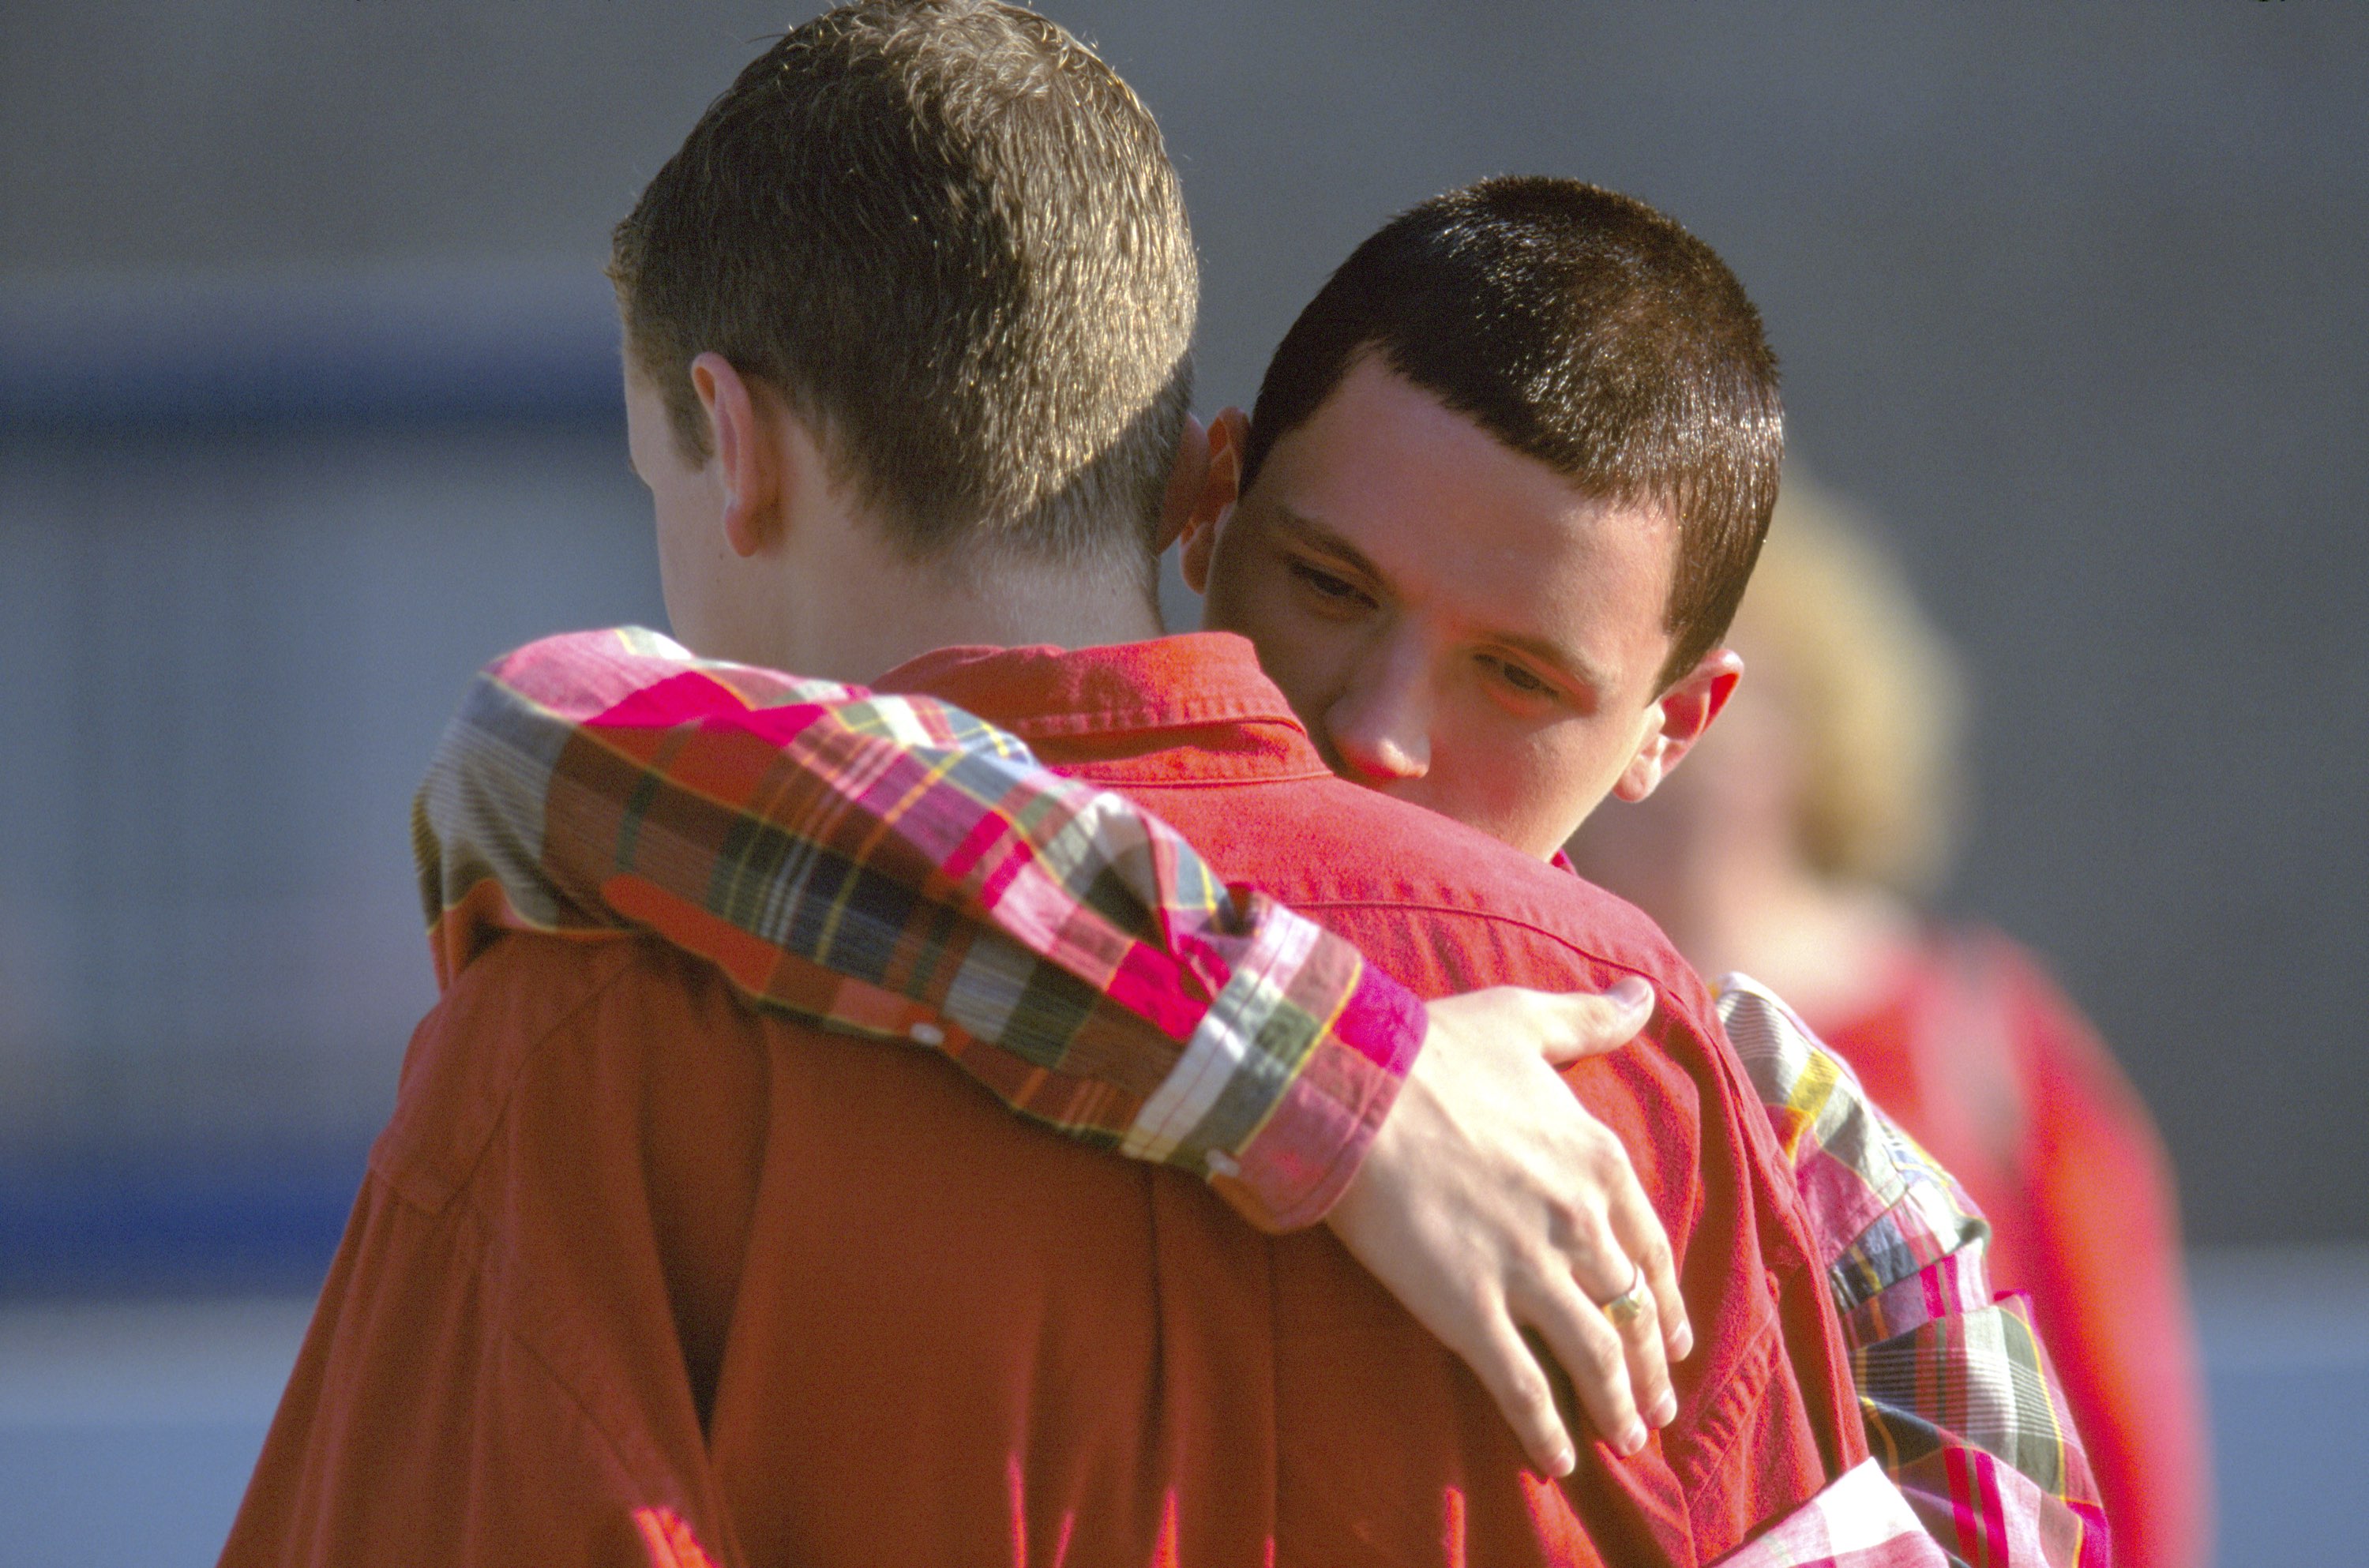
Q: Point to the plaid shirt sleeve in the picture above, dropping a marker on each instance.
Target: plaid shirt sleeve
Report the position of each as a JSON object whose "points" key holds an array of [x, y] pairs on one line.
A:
{"points": [[894, 866], [1964, 1415]]}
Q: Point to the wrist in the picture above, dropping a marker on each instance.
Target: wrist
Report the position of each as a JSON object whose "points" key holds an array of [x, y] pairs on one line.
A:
{"points": [[1325, 1125]]}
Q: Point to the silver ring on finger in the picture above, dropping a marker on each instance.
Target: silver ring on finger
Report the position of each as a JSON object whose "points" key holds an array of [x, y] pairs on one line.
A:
{"points": [[1630, 1305]]}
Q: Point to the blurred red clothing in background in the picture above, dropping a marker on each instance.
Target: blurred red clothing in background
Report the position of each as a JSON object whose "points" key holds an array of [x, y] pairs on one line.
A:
{"points": [[1986, 1063]]}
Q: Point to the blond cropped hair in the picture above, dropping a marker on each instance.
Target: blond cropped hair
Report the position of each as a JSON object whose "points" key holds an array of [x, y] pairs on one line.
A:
{"points": [[1831, 630], [951, 237]]}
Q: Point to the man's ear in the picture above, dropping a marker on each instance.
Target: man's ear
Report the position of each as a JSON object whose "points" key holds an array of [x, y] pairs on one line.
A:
{"points": [[1185, 477], [1685, 711], [748, 455], [1220, 488]]}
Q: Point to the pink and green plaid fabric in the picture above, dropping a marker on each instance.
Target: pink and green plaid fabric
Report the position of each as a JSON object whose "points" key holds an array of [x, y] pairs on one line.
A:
{"points": [[1962, 1409], [1858, 1521], [894, 866]]}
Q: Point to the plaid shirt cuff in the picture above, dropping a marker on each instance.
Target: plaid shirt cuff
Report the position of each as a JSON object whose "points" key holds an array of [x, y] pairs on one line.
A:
{"points": [[1961, 1410], [1860, 1521], [1296, 1166]]}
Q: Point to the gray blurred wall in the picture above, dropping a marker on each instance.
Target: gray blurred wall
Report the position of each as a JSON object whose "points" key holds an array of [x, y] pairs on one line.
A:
{"points": [[2073, 299]]}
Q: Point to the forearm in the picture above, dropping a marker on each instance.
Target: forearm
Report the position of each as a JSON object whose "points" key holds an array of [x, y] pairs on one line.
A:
{"points": [[895, 867]]}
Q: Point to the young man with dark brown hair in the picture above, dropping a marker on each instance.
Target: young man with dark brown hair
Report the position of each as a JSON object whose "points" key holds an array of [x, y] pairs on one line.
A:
{"points": [[815, 1301], [1568, 436]]}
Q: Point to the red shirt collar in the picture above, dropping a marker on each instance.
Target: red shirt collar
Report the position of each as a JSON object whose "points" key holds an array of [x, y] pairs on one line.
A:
{"points": [[1089, 705]]}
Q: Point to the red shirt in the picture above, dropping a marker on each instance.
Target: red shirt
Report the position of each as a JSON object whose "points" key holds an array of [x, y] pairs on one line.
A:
{"points": [[630, 1246], [1988, 1064]]}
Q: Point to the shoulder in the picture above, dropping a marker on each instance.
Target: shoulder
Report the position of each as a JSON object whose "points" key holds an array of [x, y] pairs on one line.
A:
{"points": [[1446, 910], [524, 1019], [2079, 1090], [2019, 979], [1489, 914]]}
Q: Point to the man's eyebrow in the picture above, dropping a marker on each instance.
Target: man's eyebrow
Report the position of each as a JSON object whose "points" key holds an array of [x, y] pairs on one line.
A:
{"points": [[1310, 532], [1570, 661]]}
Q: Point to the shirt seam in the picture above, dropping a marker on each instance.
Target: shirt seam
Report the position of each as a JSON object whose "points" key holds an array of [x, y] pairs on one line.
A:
{"points": [[468, 1166], [1142, 720], [1106, 774], [1433, 908], [516, 1335], [1736, 1393], [1497, 918]]}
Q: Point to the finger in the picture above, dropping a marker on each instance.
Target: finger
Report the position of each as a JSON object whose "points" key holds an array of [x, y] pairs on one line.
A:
{"points": [[1598, 1258], [1647, 1357], [1584, 1025], [1519, 1385], [1637, 1231], [1592, 1355]]}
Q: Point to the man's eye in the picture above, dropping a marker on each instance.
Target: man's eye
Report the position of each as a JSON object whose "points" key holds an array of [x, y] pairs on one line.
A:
{"points": [[1328, 585], [1516, 676]]}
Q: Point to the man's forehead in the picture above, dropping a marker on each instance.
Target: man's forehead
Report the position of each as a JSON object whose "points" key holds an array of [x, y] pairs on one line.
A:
{"points": [[1500, 543]]}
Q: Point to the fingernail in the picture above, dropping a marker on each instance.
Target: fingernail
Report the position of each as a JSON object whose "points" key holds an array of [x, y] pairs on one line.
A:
{"points": [[1563, 1464], [1682, 1343], [1630, 993], [1665, 1411], [1633, 1441]]}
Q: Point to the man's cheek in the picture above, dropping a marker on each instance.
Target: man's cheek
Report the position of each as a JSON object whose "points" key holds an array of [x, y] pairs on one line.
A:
{"points": [[1561, 792], [1299, 656]]}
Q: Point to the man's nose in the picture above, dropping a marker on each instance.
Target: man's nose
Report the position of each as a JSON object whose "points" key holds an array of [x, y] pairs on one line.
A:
{"points": [[1380, 725]]}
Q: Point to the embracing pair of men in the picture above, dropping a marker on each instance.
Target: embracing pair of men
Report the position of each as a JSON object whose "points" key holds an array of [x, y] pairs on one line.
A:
{"points": [[643, 1273]]}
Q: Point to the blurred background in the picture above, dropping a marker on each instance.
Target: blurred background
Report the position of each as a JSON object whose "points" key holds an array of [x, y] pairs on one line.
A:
{"points": [[308, 407]]}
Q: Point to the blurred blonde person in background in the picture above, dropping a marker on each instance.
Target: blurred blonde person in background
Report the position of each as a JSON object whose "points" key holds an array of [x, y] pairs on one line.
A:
{"points": [[1795, 847]]}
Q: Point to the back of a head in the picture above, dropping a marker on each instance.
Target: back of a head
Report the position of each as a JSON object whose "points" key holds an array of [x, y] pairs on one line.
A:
{"points": [[1832, 635], [1580, 328], [952, 238]]}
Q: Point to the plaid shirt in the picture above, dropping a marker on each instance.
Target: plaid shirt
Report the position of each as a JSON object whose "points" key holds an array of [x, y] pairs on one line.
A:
{"points": [[894, 866]]}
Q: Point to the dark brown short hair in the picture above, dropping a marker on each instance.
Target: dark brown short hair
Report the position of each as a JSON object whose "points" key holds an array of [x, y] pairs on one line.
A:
{"points": [[952, 238], [1581, 327]]}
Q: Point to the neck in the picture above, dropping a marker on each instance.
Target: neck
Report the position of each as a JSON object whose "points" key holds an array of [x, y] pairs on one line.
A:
{"points": [[865, 616]]}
